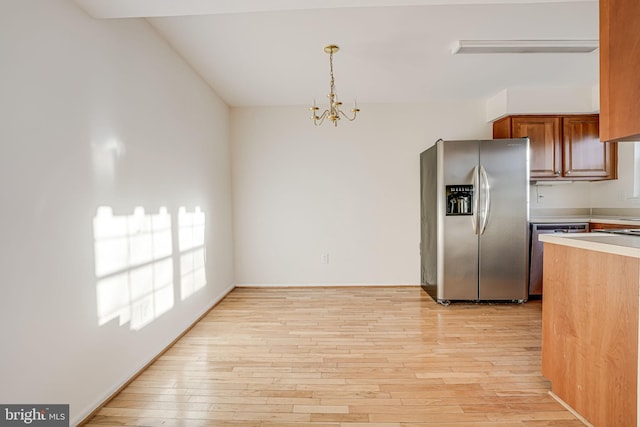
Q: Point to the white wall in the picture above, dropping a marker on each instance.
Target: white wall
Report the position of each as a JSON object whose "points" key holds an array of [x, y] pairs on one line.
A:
{"points": [[618, 193], [351, 192], [563, 194], [98, 113]]}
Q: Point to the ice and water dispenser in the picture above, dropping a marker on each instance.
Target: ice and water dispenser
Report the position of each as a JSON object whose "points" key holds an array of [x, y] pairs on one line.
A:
{"points": [[459, 199]]}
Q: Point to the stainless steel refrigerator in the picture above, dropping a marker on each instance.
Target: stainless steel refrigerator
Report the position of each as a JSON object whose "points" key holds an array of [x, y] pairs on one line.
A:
{"points": [[474, 220]]}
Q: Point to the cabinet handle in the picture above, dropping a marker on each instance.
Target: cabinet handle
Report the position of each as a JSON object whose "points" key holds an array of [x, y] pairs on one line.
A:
{"points": [[568, 172], [556, 173]]}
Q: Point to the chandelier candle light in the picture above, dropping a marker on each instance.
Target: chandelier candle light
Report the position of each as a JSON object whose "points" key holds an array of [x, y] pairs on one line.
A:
{"points": [[334, 111]]}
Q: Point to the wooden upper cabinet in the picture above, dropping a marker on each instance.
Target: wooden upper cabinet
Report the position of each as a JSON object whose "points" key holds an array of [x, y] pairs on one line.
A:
{"points": [[619, 70], [562, 147], [584, 155], [545, 159]]}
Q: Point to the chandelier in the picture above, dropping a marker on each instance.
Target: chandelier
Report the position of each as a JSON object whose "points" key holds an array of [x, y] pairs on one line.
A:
{"points": [[334, 111]]}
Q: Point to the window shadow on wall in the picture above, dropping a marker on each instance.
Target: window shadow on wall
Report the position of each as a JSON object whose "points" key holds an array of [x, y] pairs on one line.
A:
{"points": [[192, 251], [135, 263]]}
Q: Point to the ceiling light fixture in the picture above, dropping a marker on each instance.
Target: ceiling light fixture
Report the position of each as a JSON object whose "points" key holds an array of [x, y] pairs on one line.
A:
{"points": [[334, 111], [524, 46]]}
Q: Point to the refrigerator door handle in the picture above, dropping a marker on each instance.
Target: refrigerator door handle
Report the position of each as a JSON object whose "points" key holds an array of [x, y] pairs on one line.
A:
{"points": [[486, 198], [474, 217]]}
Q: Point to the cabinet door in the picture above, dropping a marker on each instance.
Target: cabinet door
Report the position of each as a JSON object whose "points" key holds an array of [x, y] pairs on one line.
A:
{"points": [[584, 154], [619, 69], [545, 144]]}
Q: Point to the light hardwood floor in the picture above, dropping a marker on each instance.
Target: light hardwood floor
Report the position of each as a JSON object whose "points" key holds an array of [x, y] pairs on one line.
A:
{"points": [[356, 357]]}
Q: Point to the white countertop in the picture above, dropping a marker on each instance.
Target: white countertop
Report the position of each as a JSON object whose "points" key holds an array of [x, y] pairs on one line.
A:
{"points": [[632, 221], [602, 242], [558, 219]]}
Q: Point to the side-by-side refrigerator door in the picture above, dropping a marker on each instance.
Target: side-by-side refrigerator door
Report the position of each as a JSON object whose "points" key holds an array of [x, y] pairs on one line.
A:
{"points": [[458, 254], [503, 210]]}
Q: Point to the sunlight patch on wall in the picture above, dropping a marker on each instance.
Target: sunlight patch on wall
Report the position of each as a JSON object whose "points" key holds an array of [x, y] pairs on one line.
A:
{"points": [[133, 265], [105, 152], [191, 227]]}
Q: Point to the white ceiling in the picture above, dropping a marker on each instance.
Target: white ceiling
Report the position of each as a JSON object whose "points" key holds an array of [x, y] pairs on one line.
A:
{"points": [[270, 52]]}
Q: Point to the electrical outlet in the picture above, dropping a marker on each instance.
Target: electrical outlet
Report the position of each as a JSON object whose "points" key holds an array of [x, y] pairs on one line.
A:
{"points": [[324, 259], [539, 195]]}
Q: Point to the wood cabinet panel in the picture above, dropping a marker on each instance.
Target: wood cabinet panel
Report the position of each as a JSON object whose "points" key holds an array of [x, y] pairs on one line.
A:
{"points": [[502, 128], [590, 332], [606, 226], [619, 70]]}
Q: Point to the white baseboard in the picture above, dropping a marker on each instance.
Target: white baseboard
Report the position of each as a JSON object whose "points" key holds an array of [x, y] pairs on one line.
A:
{"points": [[322, 285]]}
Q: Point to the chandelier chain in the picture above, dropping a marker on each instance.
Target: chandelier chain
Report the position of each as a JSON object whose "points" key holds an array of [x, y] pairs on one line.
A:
{"points": [[333, 85]]}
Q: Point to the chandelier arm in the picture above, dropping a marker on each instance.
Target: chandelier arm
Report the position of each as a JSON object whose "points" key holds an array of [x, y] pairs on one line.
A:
{"points": [[355, 112], [318, 120]]}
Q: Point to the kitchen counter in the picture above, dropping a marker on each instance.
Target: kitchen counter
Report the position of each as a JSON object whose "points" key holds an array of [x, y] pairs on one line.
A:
{"points": [[558, 219], [590, 323], [631, 221], [600, 242], [623, 216]]}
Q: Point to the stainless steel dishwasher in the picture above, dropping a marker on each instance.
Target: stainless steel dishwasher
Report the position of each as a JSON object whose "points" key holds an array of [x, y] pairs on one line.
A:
{"points": [[536, 249]]}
